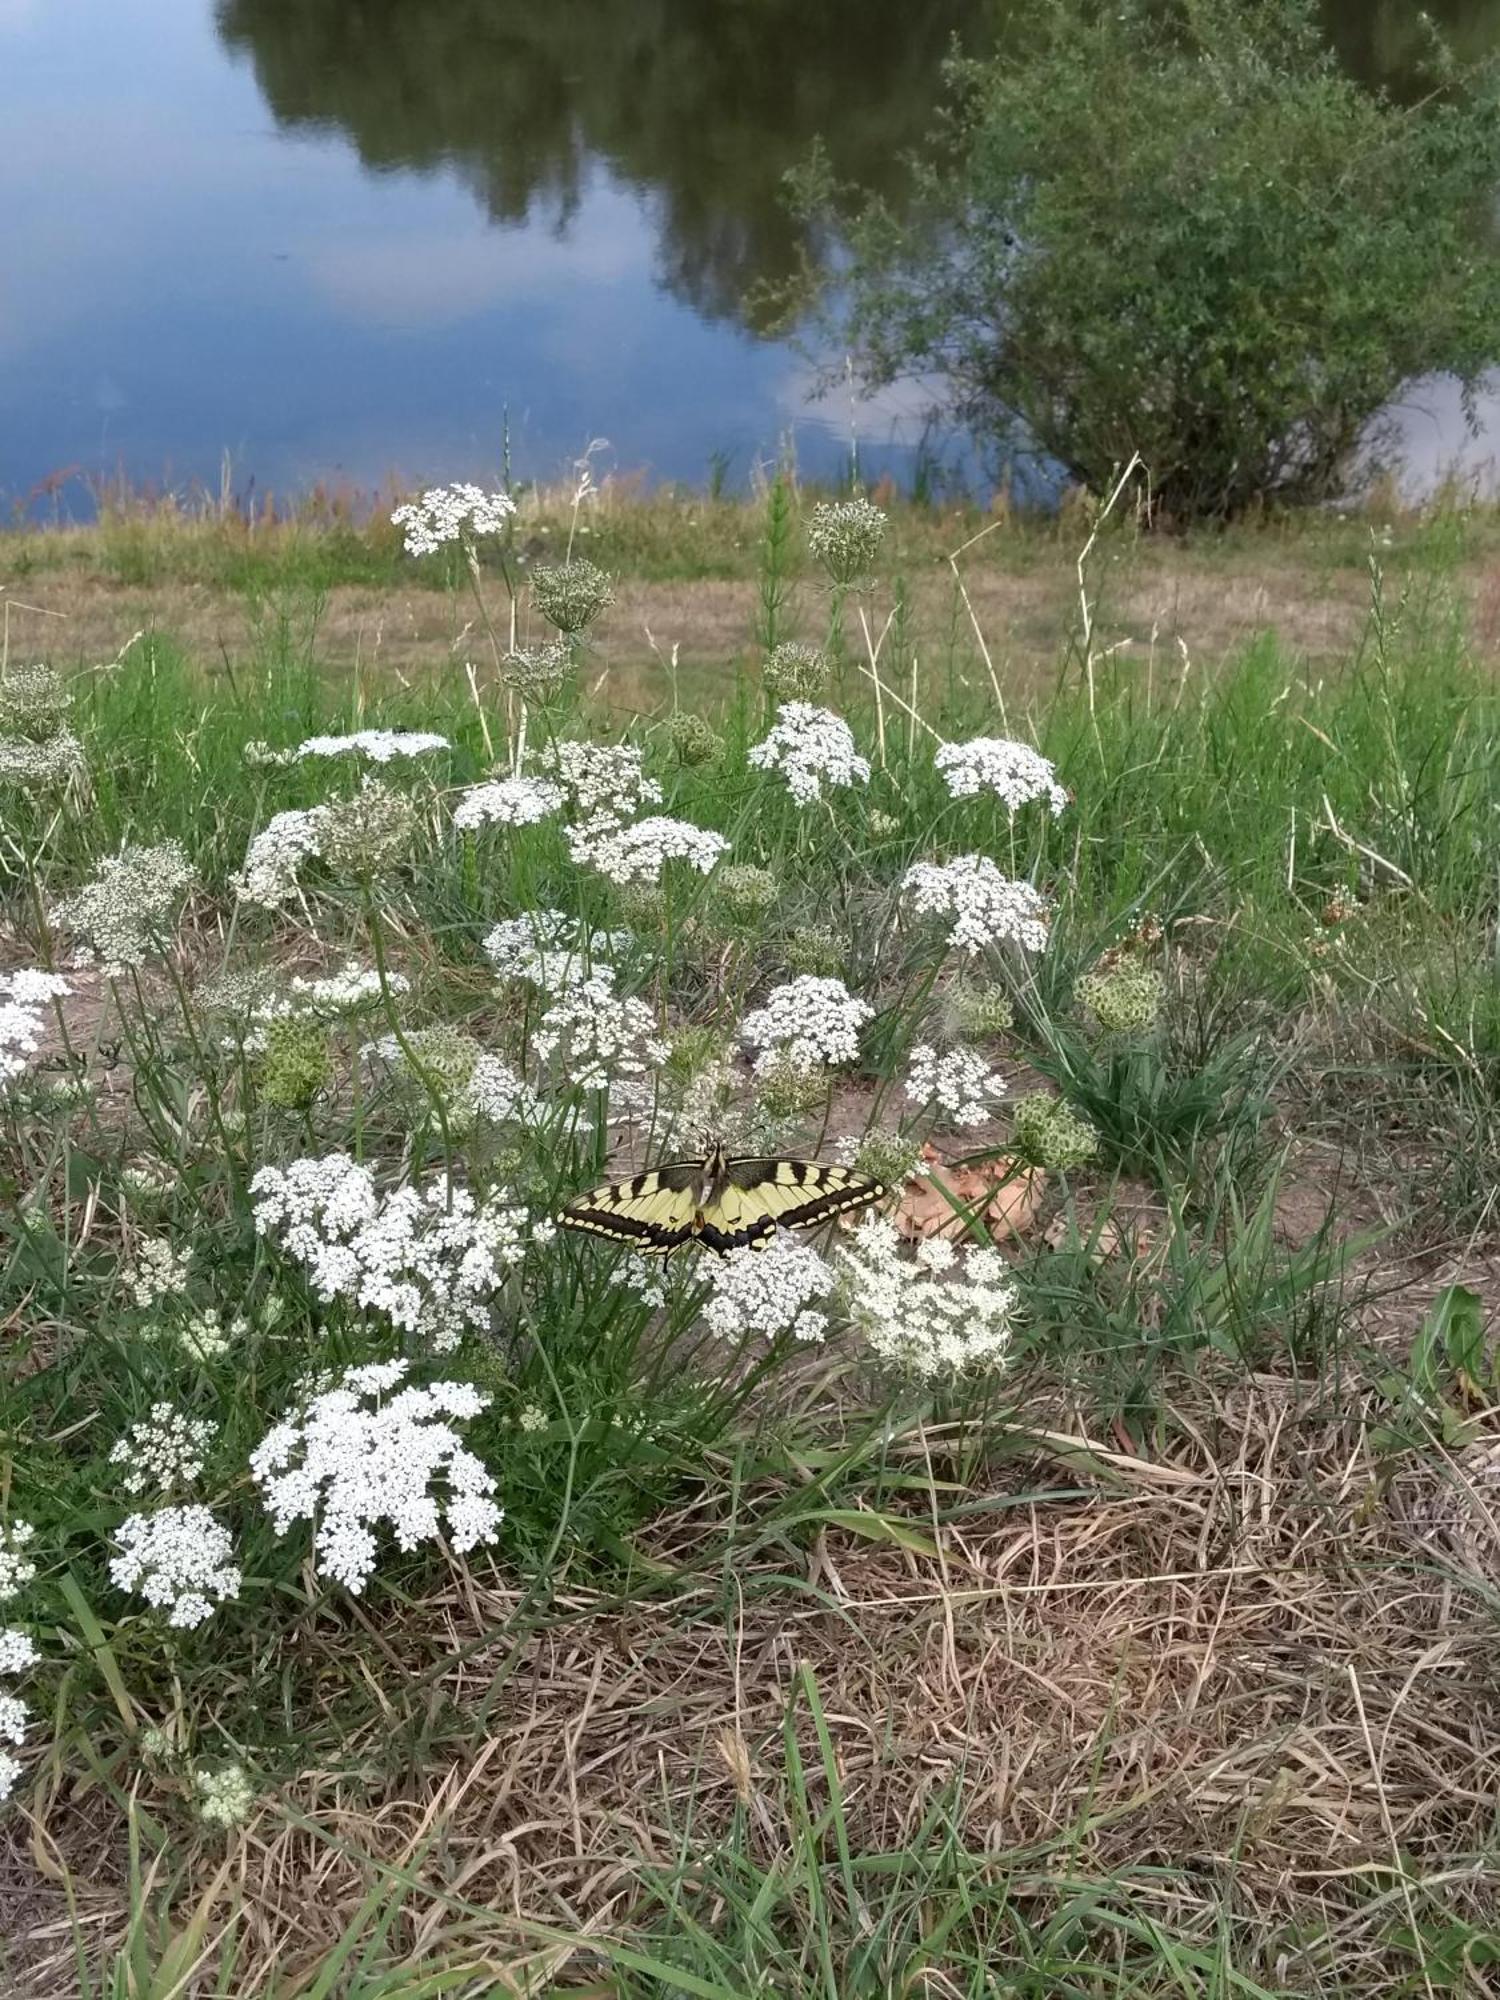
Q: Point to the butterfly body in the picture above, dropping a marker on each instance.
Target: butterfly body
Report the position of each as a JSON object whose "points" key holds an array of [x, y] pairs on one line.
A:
{"points": [[725, 1204]]}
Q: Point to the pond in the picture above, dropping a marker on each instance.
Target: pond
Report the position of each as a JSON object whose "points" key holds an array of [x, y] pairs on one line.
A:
{"points": [[266, 243]]}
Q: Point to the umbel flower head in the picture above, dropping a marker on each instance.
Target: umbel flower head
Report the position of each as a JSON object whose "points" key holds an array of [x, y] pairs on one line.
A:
{"points": [[226, 1797], [359, 1459], [770, 1291], [692, 738], [33, 702], [180, 1559], [961, 1083], [571, 594], [166, 1449], [45, 765], [538, 673], [1124, 1000], [744, 893], [1050, 1133], [638, 852], [369, 832], [381, 746], [1014, 772], [507, 802], [987, 908], [122, 914], [796, 672], [601, 778], [295, 1065], [23, 1020], [845, 536], [936, 1312], [811, 747], [445, 514], [808, 1021]]}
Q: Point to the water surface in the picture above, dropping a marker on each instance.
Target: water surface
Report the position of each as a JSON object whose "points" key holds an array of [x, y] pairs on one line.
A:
{"points": [[272, 242]]}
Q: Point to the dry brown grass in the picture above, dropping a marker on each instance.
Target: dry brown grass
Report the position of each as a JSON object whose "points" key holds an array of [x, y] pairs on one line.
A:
{"points": [[1256, 1661]]}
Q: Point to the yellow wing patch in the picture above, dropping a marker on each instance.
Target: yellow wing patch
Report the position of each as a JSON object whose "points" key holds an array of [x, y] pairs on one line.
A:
{"points": [[657, 1211]]}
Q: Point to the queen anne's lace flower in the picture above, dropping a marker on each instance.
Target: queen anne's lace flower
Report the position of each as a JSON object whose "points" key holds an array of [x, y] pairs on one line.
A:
{"points": [[381, 746], [23, 995], [807, 1022], [17, 1650], [545, 948], [639, 852], [598, 1035], [428, 1259], [960, 1083], [52, 763], [987, 908], [13, 1718], [795, 672], [16, 1567], [159, 1271], [180, 1559], [845, 536], [601, 778], [508, 802], [225, 1797], [352, 1463], [277, 852], [167, 1449], [571, 594], [938, 1311], [452, 514], [810, 747], [1014, 772], [123, 912], [770, 1291]]}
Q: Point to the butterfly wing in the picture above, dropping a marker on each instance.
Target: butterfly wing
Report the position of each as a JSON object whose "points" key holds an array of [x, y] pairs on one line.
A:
{"points": [[761, 1196], [653, 1212]]}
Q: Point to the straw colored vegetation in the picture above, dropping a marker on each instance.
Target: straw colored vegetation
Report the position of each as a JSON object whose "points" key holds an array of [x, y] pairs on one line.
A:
{"points": [[1077, 1573]]}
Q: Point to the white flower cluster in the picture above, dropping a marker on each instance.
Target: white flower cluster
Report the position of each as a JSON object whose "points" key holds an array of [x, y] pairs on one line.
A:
{"points": [[122, 912], [807, 1022], [938, 1312], [381, 746], [639, 851], [166, 1449], [810, 746], [545, 948], [1014, 772], [54, 761], [159, 1271], [16, 1567], [491, 1090], [961, 1083], [17, 1652], [508, 802], [180, 1559], [430, 1260], [348, 991], [225, 1797], [351, 1463], [770, 1291], [601, 778], [451, 514], [987, 908], [275, 854], [597, 1034], [23, 995]]}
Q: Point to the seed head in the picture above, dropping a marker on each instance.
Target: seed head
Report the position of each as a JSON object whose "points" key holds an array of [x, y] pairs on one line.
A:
{"points": [[796, 672], [845, 536], [572, 594], [1049, 1133]]}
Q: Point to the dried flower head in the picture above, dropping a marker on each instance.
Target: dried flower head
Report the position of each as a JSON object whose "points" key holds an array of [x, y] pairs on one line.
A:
{"points": [[1050, 1133], [794, 672], [570, 595], [1014, 772], [845, 537], [445, 514], [810, 747], [359, 1459], [987, 908]]}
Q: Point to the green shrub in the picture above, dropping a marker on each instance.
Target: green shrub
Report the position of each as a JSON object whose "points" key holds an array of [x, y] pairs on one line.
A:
{"points": [[1178, 229]]}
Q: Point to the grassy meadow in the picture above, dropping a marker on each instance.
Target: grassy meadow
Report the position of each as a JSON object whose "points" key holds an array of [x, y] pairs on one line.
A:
{"points": [[1077, 1575]]}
